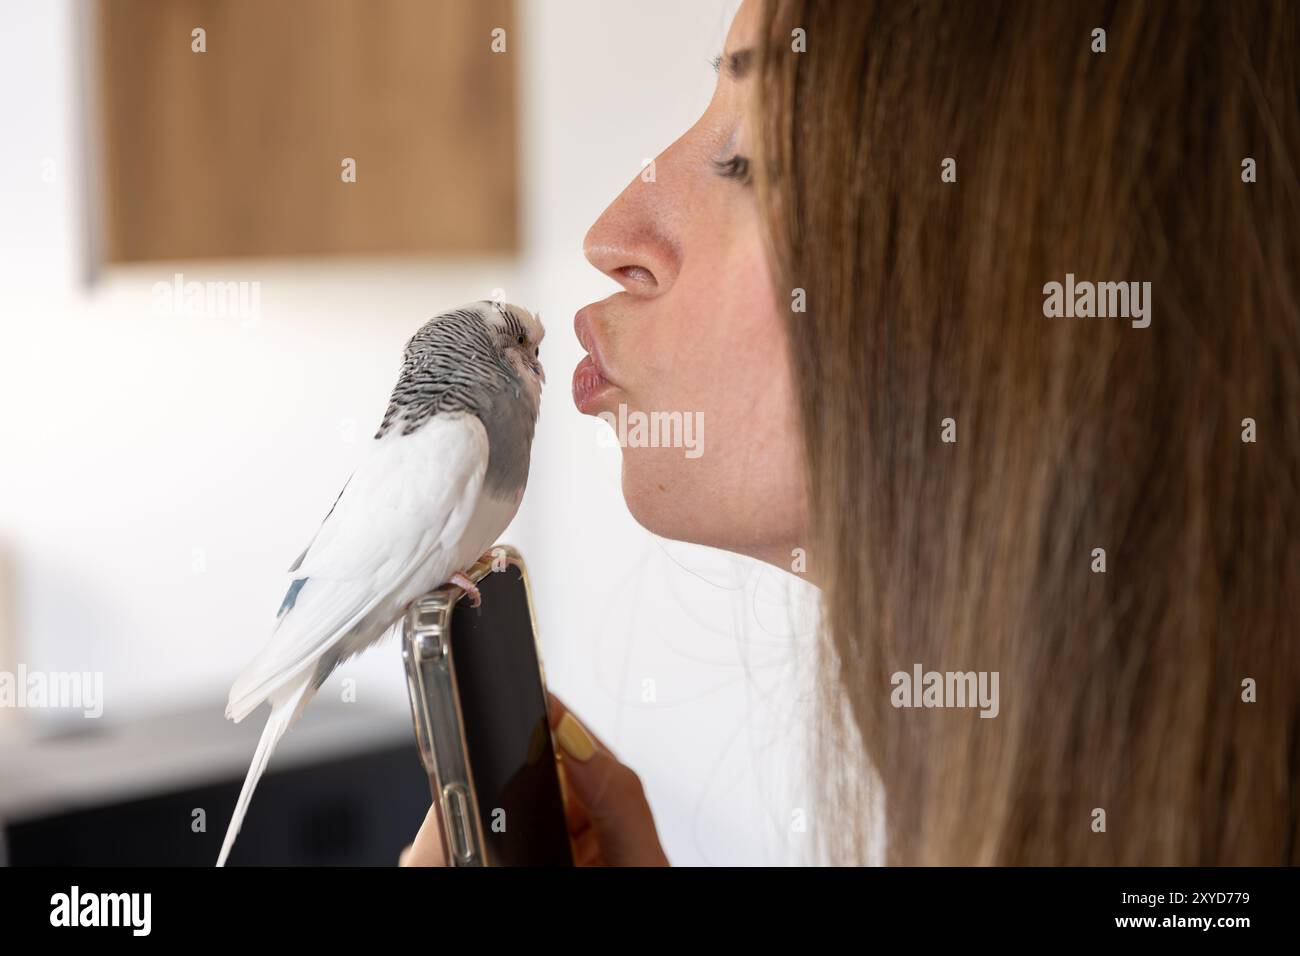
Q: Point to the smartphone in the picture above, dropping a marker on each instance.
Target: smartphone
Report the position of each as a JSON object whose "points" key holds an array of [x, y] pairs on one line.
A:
{"points": [[478, 701]]}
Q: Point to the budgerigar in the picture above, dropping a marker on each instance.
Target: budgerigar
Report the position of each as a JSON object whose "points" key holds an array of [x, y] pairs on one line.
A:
{"points": [[441, 479]]}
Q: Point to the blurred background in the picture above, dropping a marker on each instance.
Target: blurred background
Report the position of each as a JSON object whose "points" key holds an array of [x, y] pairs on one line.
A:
{"points": [[219, 223]]}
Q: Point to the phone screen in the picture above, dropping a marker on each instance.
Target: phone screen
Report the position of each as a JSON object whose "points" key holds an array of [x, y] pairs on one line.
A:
{"points": [[507, 734]]}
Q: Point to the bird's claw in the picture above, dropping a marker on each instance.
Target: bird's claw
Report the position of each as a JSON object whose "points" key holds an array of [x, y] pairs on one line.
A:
{"points": [[468, 586]]}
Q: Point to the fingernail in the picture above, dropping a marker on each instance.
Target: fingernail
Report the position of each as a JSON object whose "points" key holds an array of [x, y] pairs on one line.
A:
{"points": [[564, 783], [575, 740]]}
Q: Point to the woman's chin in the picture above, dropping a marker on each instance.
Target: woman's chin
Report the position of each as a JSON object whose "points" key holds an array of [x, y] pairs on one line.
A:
{"points": [[661, 501]]}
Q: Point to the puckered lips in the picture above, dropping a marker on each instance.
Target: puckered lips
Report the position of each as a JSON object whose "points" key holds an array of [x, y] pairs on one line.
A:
{"points": [[591, 382]]}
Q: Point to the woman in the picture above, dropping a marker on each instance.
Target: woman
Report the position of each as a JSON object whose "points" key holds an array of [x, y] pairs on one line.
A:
{"points": [[994, 317]]}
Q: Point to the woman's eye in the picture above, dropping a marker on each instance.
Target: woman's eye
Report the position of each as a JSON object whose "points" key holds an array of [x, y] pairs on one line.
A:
{"points": [[735, 167]]}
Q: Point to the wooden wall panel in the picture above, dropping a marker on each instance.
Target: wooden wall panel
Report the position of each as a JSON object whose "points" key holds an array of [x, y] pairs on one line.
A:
{"points": [[237, 151]]}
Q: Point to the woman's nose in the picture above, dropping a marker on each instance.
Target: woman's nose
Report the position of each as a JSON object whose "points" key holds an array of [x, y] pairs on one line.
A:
{"points": [[630, 242]]}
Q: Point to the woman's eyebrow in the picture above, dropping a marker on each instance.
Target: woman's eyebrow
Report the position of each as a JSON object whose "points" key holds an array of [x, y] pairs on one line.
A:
{"points": [[738, 63]]}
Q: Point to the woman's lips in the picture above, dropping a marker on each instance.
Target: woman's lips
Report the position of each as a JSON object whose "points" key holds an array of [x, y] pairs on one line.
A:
{"points": [[589, 385]]}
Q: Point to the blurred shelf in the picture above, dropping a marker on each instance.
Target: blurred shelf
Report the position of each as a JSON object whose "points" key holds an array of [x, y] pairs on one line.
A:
{"points": [[48, 768]]}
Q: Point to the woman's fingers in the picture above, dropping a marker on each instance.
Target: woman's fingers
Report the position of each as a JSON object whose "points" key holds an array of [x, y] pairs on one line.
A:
{"points": [[608, 815], [556, 709], [427, 848], [619, 823]]}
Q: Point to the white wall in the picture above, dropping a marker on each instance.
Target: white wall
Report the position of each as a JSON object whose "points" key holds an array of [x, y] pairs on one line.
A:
{"points": [[158, 474]]}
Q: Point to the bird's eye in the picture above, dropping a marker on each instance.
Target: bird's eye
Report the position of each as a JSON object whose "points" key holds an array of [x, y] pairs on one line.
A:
{"points": [[537, 352], [520, 340]]}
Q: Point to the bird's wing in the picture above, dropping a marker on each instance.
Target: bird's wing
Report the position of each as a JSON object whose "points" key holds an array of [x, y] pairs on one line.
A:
{"points": [[411, 497], [298, 563]]}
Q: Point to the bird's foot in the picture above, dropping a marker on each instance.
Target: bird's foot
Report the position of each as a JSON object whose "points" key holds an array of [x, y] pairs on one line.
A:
{"points": [[466, 585]]}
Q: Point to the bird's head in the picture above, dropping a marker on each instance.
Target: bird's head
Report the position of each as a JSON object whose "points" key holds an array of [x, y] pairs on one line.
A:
{"points": [[519, 333]]}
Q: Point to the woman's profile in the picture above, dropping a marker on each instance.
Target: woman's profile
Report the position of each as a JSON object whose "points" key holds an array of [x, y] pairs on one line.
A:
{"points": [[994, 316]]}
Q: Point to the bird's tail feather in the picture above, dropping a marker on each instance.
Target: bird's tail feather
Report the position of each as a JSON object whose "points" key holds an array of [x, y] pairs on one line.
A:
{"points": [[321, 618], [285, 709]]}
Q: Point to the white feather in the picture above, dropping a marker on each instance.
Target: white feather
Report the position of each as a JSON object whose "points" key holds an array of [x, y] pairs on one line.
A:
{"points": [[412, 515]]}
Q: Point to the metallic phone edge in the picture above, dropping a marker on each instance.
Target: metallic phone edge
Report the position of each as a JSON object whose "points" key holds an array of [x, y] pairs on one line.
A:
{"points": [[451, 595]]}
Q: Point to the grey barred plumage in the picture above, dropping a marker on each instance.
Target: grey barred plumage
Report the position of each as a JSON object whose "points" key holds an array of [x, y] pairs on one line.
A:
{"points": [[459, 362], [452, 364], [514, 327]]}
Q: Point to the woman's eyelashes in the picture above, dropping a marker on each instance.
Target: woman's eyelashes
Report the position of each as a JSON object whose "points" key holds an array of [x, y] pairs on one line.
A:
{"points": [[734, 167]]}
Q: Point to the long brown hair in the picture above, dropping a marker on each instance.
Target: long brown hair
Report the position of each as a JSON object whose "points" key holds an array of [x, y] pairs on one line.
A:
{"points": [[1163, 691]]}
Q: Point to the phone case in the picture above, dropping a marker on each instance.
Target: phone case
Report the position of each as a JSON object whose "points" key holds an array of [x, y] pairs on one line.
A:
{"points": [[436, 710]]}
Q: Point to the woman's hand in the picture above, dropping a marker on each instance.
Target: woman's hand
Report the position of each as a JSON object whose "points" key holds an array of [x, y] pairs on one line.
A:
{"points": [[609, 819]]}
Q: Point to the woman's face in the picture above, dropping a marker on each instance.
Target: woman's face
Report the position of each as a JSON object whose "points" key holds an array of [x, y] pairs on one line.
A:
{"points": [[697, 331]]}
